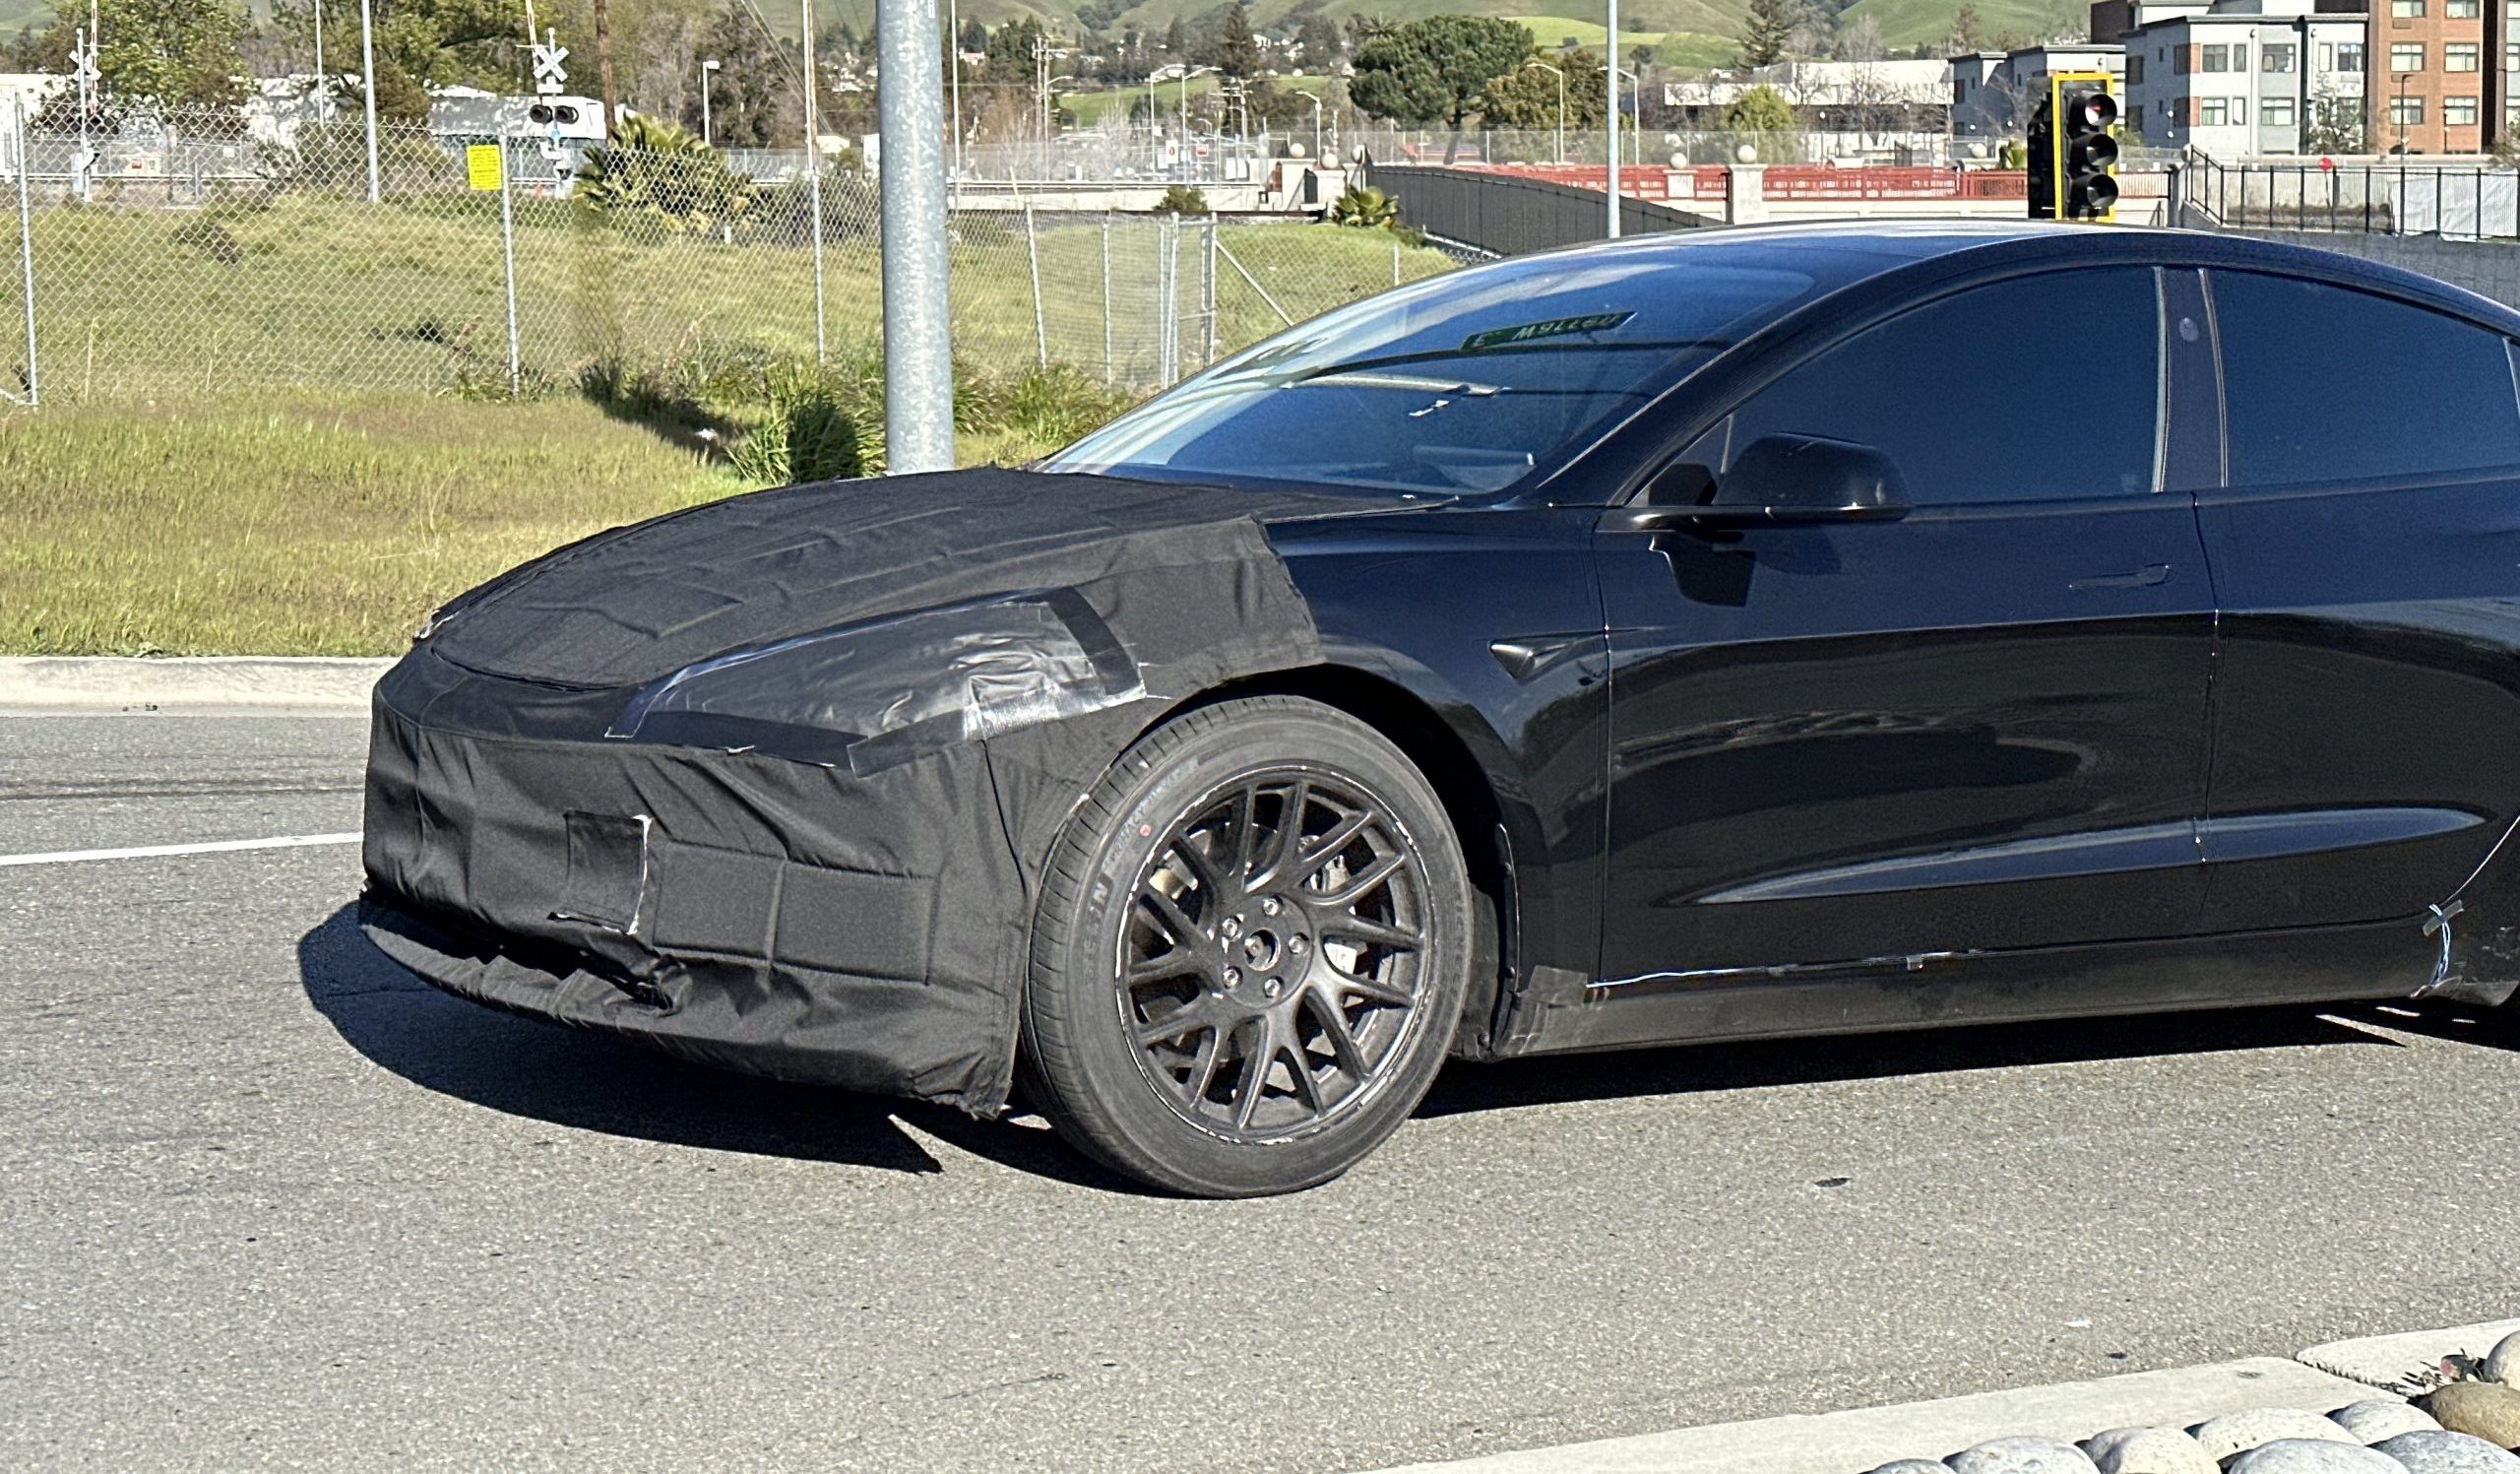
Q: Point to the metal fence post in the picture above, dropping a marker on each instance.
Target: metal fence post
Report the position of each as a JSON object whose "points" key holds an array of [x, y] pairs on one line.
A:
{"points": [[507, 250], [1208, 292], [815, 190], [1032, 263], [1395, 261], [1107, 299], [26, 251]]}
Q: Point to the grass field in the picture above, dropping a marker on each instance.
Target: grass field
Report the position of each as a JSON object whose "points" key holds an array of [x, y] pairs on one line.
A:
{"points": [[304, 523], [288, 436]]}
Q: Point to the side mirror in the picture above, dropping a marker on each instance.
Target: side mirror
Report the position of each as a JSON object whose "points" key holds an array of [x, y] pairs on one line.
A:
{"points": [[1780, 480]]}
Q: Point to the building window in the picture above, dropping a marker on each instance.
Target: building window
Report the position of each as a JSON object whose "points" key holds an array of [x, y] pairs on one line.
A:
{"points": [[2213, 112], [2135, 70], [2458, 112], [2462, 9], [2511, 56], [2407, 111], [2217, 58], [2275, 112], [2459, 56], [2275, 59], [2349, 56], [2405, 10], [2405, 56]]}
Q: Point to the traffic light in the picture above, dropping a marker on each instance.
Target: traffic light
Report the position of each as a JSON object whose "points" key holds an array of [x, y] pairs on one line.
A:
{"points": [[548, 113], [2073, 149]]}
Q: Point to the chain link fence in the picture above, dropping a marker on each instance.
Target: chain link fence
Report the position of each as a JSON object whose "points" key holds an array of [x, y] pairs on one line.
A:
{"points": [[175, 256]]}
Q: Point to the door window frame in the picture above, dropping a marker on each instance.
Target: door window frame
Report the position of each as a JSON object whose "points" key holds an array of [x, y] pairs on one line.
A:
{"points": [[1677, 448]]}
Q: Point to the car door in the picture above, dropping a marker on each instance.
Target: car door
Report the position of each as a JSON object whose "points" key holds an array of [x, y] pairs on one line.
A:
{"points": [[1980, 725], [2366, 549]]}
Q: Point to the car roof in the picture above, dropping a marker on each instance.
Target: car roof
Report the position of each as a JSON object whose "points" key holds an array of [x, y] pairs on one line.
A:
{"points": [[1846, 252]]}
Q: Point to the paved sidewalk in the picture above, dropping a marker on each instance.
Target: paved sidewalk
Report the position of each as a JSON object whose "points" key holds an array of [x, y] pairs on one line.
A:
{"points": [[100, 681]]}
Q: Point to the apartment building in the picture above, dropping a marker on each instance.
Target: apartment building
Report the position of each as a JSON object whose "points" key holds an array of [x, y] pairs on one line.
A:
{"points": [[2439, 74], [2241, 78]]}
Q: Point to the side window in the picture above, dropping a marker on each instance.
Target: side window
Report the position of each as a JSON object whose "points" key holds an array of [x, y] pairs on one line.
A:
{"points": [[2439, 397], [1960, 393]]}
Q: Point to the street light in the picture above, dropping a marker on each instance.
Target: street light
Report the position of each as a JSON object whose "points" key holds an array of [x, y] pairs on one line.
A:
{"points": [[1561, 102], [1315, 99], [708, 137]]}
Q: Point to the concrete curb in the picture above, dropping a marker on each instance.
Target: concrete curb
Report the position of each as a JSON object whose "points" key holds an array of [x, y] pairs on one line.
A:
{"points": [[1848, 1443], [2392, 1361], [111, 682]]}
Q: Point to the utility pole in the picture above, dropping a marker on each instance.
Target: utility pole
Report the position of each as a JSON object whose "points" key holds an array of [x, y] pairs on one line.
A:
{"points": [[918, 364], [708, 137], [954, 52], [1610, 71], [604, 65]]}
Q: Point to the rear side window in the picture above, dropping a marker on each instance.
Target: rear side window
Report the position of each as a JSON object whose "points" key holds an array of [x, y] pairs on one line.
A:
{"points": [[1966, 394], [2425, 392]]}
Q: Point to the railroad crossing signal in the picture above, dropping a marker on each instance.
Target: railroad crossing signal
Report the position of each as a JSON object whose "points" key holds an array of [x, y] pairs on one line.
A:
{"points": [[2073, 149], [551, 77]]}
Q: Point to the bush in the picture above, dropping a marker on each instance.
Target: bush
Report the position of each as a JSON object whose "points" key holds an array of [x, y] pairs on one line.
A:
{"points": [[659, 171], [1183, 199]]}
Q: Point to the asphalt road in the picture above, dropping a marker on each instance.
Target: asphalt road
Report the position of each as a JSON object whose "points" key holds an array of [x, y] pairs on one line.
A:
{"points": [[268, 1200]]}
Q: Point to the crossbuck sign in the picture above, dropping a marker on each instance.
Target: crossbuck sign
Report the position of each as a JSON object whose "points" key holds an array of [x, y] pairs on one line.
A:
{"points": [[551, 77]]}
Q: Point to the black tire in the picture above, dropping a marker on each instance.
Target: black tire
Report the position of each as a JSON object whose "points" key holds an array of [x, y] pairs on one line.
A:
{"points": [[1217, 1071]]}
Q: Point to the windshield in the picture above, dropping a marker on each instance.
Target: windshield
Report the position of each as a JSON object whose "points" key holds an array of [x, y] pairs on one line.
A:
{"points": [[1465, 383]]}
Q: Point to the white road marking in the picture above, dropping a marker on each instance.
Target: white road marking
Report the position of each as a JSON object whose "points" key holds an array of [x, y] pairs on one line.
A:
{"points": [[151, 852]]}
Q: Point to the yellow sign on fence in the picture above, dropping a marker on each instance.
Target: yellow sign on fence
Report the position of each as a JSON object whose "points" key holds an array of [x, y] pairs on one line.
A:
{"points": [[481, 165]]}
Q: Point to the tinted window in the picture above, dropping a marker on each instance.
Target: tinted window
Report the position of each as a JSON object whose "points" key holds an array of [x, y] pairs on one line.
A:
{"points": [[2425, 392], [1462, 383], [1969, 395]]}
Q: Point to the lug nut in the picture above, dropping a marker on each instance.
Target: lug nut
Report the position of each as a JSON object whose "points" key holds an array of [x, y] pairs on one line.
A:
{"points": [[1269, 907], [1269, 987], [1233, 977], [1298, 945], [1233, 926]]}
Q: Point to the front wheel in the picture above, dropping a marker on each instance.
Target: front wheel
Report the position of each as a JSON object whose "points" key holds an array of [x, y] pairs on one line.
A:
{"points": [[1251, 951]]}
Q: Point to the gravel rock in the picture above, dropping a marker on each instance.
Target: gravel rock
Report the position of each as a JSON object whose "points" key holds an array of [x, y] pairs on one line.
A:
{"points": [[2022, 1455], [2502, 1363], [2381, 1418], [2489, 1410], [2233, 1433], [2435, 1451], [2148, 1450], [1914, 1466], [2313, 1456]]}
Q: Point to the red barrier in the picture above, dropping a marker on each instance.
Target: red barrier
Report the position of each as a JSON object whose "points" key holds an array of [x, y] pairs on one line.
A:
{"points": [[1789, 182]]}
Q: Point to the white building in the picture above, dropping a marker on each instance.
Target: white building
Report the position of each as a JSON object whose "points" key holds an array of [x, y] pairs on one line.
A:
{"points": [[2245, 76], [1850, 107], [1993, 93]]}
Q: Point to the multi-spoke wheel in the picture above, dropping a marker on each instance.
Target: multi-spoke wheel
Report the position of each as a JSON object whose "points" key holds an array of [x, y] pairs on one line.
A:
{"points": [[1251, 952]]}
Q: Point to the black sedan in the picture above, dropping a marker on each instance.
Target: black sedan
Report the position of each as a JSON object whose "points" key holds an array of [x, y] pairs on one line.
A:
{"points": [[1765, 632]]}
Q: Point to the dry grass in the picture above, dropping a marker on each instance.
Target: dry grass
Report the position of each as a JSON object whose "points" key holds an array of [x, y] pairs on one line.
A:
{"points": [[306, 523]]}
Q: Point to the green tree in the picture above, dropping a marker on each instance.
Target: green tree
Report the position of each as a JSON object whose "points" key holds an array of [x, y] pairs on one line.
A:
{"points": [[660, 170], [1528, 98], [1437, 70], [1009, 51], [1321, 43], [1177, 40], [165, 53], [1235, 54], [755, 99], [1767, 33], [1761, 109], [1967, 28]]}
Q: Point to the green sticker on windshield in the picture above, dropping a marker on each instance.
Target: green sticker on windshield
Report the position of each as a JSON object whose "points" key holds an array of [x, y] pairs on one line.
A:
{"points": [[1556, 327]]}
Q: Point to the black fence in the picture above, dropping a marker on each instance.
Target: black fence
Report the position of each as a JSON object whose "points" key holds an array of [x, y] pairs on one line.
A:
{"points": [[2461, 203], [1505, 215]]}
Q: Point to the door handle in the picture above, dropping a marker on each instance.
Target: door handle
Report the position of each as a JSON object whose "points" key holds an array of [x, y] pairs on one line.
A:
{"points": [[2146, 577]]}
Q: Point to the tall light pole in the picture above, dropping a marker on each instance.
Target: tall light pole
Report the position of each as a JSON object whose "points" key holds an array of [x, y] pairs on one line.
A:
{"points": [[1610, 70], [918, 362], [953, 51], [708, 137], [1315, 99], [322, 85], [1562, 102]]}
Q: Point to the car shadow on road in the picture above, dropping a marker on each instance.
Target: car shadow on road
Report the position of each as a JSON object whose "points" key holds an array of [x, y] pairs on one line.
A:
{"points": [[1682, 1070], [585, 1080]]}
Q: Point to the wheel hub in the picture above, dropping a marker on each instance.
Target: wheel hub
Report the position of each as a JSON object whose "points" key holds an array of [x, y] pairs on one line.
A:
{"points": [[1270, 964]]}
